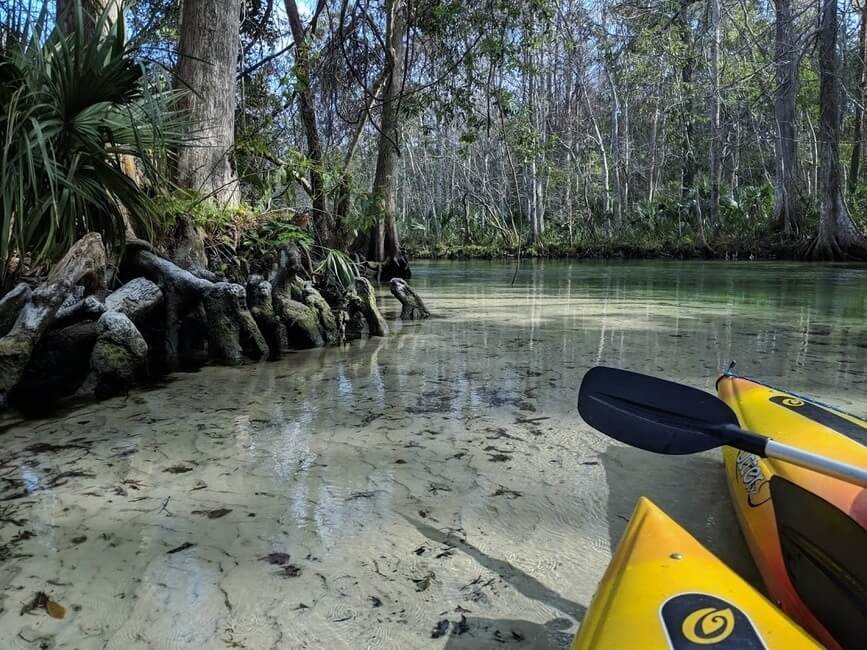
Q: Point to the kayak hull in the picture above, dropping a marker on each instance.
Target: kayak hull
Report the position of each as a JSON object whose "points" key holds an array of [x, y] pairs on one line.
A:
{"points": [[663, 590], [791, 420]]}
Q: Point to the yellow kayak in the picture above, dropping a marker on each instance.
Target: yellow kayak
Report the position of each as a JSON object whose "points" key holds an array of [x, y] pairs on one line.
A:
{"points": [[807, 532], [665, 590]]}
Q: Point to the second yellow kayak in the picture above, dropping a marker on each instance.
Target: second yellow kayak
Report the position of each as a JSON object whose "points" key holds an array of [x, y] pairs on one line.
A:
{"points": [[663, 590]]}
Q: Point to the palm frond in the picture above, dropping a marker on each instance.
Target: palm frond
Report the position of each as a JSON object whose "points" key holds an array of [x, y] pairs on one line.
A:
{"points": [[338, 269], [71, 106]]}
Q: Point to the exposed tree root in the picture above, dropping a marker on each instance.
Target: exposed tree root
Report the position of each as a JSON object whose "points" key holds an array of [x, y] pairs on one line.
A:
{"points": [[412, 306], [84, 264]]}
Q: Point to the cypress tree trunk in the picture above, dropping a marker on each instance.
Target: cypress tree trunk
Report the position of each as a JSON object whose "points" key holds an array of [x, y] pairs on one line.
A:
{"points": [[208, 56], [384, 242], [788, 206], [837, 236], [858, 135], [307, 109]]}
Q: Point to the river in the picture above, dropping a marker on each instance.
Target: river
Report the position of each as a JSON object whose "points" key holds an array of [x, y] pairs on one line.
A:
{"points": [[359, 497]]}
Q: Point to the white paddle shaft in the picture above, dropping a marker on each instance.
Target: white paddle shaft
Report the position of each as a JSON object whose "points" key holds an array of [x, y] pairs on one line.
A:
{"points": [[821, 464]]}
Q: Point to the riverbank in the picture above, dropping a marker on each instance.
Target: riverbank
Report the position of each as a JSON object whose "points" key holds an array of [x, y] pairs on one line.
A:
{"points": [[770, 249]]}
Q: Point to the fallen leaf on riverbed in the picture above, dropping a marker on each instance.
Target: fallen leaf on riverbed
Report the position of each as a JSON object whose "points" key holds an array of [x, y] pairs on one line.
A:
{"points": [[213, 514], [422, 584], [55, 610], [276, 558], [40, 601], [178, 469], [506, 492], [291, 571], [182, 547]]}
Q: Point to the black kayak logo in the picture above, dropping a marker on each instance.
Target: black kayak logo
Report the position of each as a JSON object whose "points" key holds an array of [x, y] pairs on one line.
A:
{"points": [[694, 621], [753, 479], [818, 414]]}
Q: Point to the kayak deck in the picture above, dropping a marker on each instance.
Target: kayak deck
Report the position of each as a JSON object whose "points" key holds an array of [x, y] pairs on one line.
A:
{"points": [[664, 590]]}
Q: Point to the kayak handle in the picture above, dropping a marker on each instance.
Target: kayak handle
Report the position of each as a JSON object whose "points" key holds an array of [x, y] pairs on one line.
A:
{"points": [[821, 464]]}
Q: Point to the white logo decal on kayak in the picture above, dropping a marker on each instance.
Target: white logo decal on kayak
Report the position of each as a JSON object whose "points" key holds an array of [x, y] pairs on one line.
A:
{"points": [[753, 478]]}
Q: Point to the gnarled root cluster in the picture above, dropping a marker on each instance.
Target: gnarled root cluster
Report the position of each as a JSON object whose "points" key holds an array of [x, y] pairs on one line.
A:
{"points": [[71, 336]]}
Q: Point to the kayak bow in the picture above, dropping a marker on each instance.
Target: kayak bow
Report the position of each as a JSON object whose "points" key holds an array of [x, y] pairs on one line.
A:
{"points": [[663, 590]]}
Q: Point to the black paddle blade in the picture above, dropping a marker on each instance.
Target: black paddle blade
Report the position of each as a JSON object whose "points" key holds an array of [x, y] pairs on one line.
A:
{"points": [[654, 414]]}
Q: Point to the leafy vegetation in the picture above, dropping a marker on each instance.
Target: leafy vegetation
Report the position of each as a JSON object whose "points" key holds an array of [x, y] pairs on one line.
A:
{"points": [[74, 113], [543, 126]]}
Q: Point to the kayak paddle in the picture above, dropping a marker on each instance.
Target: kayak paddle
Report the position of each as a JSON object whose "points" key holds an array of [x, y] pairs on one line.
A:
{"points": [[669, 418]]}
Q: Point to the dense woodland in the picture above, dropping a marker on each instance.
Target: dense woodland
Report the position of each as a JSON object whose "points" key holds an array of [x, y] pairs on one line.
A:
{"points": [[434, 126]]}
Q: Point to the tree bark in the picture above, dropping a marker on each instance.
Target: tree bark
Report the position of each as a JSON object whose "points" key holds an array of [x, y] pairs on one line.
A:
{"points": [[230, 329], [136, 300], [715, 154], [363, 301], [837, 237], [860, 97], [384, 242], [119, 355], [208, 56], [262, 308], [788, 204], [307, 108], [11, 304]]}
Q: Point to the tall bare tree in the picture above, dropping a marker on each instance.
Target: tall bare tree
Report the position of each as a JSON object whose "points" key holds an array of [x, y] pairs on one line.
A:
{"points": [[208, 58], [384, 242], [715, 153], [788, 206], [307, 108]]}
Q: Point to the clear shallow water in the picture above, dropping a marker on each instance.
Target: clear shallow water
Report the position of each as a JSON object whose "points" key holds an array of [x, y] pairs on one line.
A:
{"points": [[436, 474]]}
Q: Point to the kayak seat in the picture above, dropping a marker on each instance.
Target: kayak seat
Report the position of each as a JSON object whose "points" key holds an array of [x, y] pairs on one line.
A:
{"points": [[825, 554]]}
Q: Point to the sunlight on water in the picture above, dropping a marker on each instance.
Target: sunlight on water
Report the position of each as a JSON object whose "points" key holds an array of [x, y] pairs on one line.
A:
{"points": [[346, 498]]}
